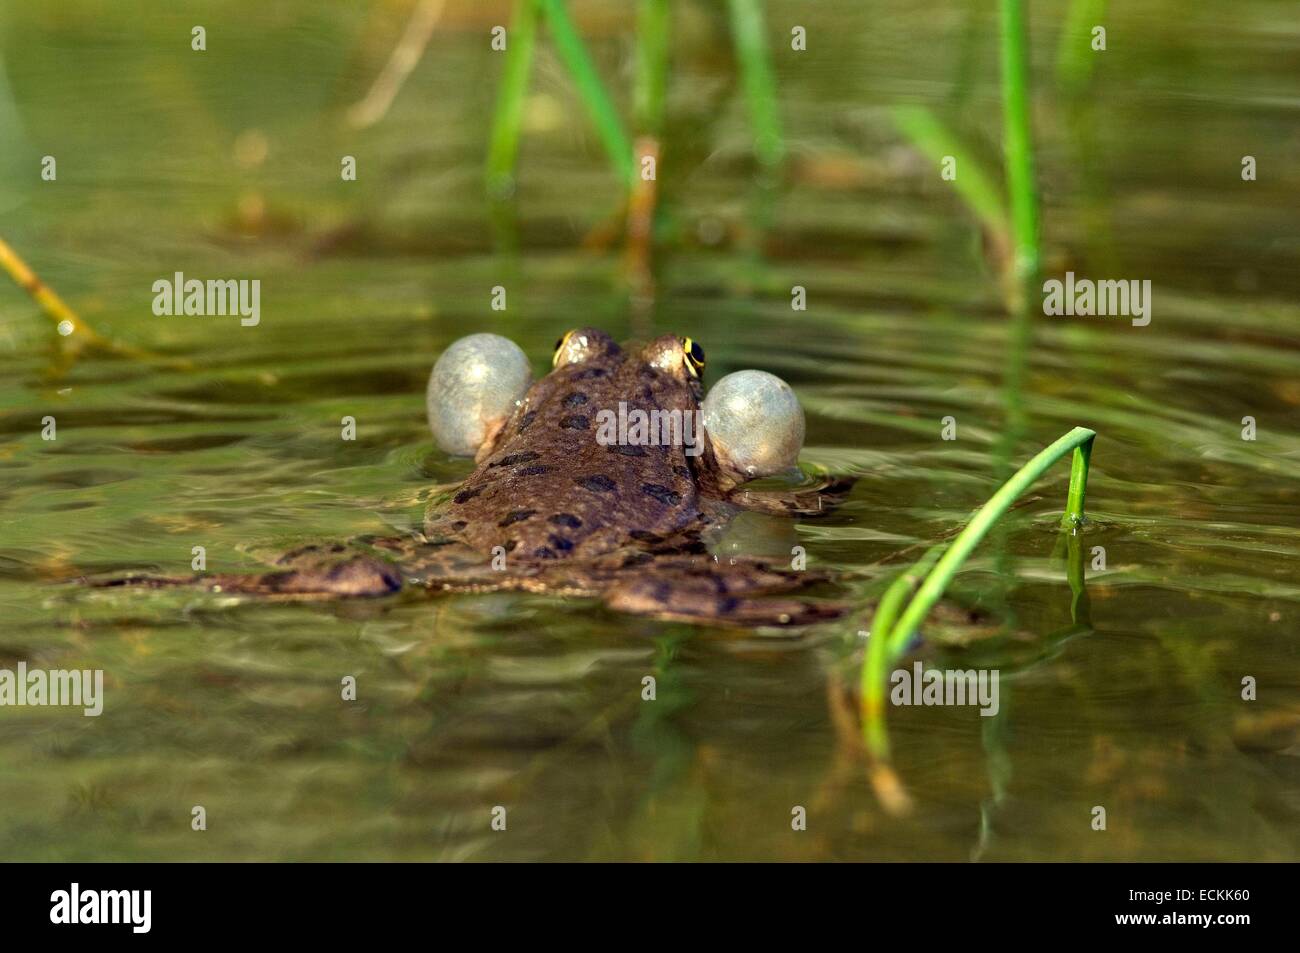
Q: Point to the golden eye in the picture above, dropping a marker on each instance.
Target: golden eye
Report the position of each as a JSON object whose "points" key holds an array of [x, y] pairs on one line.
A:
{"points": [[694, 356], [559, 346]]}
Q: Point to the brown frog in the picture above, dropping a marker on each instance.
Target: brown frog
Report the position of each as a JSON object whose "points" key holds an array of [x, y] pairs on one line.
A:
{"points": [[553, 508]]}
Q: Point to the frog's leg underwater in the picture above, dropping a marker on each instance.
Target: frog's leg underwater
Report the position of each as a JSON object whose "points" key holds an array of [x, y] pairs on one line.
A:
{"points": [[373, 566], [683, 582], [810, 502], [744, 595], [311, 572]]}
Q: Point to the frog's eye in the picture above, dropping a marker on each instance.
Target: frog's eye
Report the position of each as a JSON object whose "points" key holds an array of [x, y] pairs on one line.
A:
{"points": [[694, 355], [559, 347]]}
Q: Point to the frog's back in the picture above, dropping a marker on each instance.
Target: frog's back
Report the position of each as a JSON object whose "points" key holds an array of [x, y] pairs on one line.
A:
{"points": [[553, 490]]}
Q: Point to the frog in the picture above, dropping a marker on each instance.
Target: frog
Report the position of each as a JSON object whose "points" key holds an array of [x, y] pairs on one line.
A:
{"points": [[555, 507]]}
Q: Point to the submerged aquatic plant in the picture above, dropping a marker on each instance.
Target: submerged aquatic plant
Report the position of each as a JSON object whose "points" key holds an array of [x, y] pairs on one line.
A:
{"points": [[75, 333], [46, 297], [896, 621]]}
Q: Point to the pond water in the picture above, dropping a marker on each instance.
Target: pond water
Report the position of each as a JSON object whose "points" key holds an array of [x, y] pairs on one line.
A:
{"points": [[226, 164]]}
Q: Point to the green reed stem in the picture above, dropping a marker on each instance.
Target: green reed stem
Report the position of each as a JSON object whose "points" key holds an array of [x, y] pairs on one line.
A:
{"points": [[879, 658], [1075, 56], [750, 37], [938, 579], [893, 626], [573, 52], [503, 148], [1079, 464], [1021, 281], [651, 83], [976, 186], [1018, 144]]}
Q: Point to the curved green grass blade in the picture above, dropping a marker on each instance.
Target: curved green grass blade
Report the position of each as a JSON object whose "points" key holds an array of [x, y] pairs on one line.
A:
{"points": [[577, 60], [977, 187], [932, 589], [894, 624]]}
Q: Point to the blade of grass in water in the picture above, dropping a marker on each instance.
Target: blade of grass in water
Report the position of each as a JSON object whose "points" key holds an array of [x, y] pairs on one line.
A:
{"points": [[878, 657], [893, 625], [977, 187], [1075, 56], [503, 150], [648, 94], [46, 297], [578, 62], [1018, 143], [1020, 277], [1020, 284], [406, 54], [937, 580], [760, 88], [74, 332], [652, 32]]}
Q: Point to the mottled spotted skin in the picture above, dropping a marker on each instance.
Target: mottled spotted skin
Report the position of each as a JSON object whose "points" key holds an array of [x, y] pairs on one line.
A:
{"points": [[549, 509], [549, 490]]}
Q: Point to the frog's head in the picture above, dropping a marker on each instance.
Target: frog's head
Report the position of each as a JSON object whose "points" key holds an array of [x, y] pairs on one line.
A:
{"points": [[751, 420], [752, 423]]}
